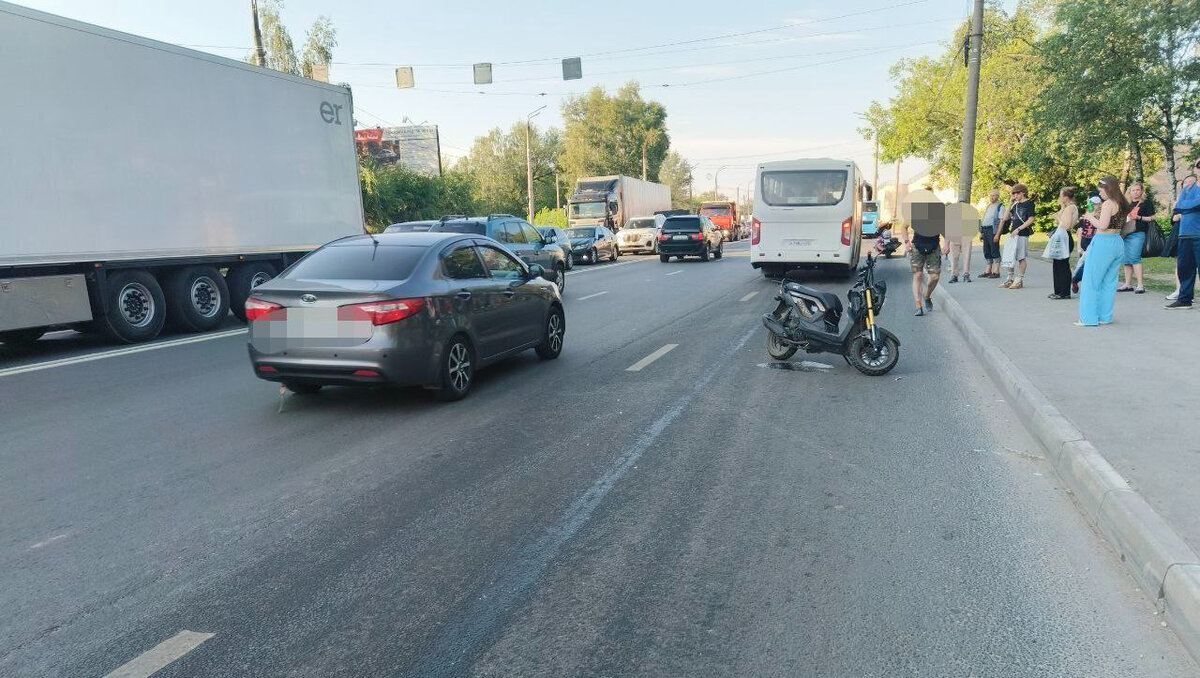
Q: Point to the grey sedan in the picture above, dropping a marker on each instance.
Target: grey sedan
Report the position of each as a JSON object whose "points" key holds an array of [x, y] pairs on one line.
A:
{"points": [[409, 309]]}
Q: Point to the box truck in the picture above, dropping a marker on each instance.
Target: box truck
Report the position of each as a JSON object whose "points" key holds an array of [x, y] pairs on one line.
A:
{"points": [[144, 184], [613, 200]]}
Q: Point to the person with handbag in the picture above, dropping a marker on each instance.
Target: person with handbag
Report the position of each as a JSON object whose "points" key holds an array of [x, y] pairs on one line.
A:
{"points": [[1064, 220], [1098, 293], [1135, 231], [1020, 225]]}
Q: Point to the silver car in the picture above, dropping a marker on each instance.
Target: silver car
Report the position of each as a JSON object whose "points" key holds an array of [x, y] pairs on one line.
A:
{"points": [[407, 309]]}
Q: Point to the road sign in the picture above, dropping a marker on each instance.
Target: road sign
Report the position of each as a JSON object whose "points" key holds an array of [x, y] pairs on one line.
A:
{"points": [[483, 74], [404, 77], [572, 69]]}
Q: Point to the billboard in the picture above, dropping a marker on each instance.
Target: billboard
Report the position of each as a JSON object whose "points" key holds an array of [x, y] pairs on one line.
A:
{"points": [[414, 147]]}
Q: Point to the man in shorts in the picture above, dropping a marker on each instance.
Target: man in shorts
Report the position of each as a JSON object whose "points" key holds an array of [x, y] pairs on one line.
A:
{"points": [[925, 216]]}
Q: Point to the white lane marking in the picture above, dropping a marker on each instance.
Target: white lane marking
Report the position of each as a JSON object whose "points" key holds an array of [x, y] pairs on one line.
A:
{"points": [[62, 362], [604, 267], [592, 296], [676, 272], [159, 656], [51, 540], [748, 297], [639, 365]]}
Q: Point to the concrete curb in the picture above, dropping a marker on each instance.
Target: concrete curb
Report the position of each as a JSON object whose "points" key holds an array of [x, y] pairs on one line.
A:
{"points": [[1159, 560]]}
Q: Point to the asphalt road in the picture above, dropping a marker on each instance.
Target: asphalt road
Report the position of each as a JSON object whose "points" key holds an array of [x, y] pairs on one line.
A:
{"points": [[706, 515]]}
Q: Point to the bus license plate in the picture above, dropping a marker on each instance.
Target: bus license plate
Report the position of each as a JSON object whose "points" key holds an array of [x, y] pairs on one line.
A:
{"points": [[799, 242]]}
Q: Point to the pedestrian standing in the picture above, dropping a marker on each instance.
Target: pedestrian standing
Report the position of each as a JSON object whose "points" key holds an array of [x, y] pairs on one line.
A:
{"points": [[1099, 290], [993, 216], [1141, 218], [1187, 264], [1173, 242], [959, 245], [1065, 221], [1020, 220], [1086, 231]]}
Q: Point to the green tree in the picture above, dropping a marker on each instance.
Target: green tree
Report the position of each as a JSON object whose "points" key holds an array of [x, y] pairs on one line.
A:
{"points": [[392, 194], [497, 163], [281, 49], [609, 134], [925, 117], [676, 172], [550, 216]]}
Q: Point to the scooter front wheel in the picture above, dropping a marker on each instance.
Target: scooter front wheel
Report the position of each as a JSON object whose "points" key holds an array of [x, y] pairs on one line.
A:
{"points": [[871, 358], [777, 349]]}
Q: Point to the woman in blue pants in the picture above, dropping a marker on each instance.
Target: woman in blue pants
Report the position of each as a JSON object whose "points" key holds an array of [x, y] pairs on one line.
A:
{"points": [[1104, 257]]}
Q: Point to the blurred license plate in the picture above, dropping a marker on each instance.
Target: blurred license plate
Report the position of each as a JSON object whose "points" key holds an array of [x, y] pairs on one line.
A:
{"points": [[680, 237], [798, 242]]}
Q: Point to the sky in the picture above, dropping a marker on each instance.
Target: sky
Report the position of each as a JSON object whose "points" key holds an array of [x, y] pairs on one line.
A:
{"points": [[771, 80]]}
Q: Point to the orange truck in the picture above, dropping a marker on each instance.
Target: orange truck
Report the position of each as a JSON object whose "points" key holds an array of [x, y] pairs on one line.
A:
{"points": [[724, 215]]}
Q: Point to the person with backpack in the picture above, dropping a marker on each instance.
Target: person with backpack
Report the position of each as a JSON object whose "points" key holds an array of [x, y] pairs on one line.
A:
{"points": [[1137, 228]]}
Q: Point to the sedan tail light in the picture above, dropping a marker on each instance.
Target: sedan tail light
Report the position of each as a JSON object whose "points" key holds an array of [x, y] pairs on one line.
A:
{"points": [[663, 237], [846, 225], [257, 309], [381, 312], [697, 236], [755, 231]]}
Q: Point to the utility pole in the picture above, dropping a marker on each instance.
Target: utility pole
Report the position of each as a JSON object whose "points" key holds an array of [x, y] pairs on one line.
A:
{"points": [[529, 159], [260, 54], [645, 140], [974, 56], [875, 178], [896, 195], [557, 194]]}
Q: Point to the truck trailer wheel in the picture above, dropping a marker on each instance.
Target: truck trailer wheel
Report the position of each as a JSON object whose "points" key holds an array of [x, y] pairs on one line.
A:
{"points": [[241, 282], [136, 307], [197, 298]]}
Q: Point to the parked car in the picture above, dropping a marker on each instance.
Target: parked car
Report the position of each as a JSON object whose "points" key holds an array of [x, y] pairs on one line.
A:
{"points": [[517, 235], [591, 244], [407, 309], [690, 236], [410, 226], [556, 235], [640, 235]]}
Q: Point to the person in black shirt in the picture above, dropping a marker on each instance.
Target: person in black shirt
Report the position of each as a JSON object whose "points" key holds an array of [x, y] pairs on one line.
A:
{"points": [[1141, 217], [1020, 226], [925, 215]]}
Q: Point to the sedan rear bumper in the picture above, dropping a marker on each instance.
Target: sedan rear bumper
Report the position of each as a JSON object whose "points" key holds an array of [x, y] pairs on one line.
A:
{"points": [[412, 363]]}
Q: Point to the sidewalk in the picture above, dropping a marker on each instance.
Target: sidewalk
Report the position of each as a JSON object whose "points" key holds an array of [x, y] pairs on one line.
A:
{"points": [[1130, 387], [1115, 409]]}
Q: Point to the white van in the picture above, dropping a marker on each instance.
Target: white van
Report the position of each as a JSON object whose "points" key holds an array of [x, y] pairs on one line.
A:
{"points": [[807, 214]]}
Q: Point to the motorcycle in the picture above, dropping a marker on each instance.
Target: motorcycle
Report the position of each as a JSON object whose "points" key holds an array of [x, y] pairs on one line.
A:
{"points": [[811, 319], [886, 245]]}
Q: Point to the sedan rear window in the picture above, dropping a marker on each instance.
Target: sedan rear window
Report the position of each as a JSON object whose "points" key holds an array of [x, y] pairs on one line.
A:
{"points": [[683, 225], [357, 262], [640, 223], [803, 188]]}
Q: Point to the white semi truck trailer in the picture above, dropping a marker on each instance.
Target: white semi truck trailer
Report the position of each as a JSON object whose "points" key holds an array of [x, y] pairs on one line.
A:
{"points": [[144, 184]]}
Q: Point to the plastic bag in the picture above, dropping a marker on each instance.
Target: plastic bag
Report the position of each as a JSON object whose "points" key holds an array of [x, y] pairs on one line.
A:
{"points": [[1008, 253], [1059, 245], [1155, 245]]}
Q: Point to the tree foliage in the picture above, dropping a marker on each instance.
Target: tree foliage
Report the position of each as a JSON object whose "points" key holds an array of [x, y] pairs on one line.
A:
{"points": [[550, 216], [393, 194], [281, 49], [606, 134], [497, 163], [676, 172]]}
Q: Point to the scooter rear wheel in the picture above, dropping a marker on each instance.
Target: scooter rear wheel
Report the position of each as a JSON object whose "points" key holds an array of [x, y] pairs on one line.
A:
{"points": [[777, 349], [873, 359]]}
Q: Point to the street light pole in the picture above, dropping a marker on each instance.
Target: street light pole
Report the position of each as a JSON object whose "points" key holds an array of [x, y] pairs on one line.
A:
{"points": [[260, 54], [529, 159], [966, 166], [716, 186]]}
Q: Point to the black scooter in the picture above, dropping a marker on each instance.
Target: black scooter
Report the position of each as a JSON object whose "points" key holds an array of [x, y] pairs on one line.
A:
{"points": [[811, 319]]}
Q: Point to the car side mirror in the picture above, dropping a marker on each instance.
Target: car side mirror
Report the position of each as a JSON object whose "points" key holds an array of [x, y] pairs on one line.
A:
{"points": [[536, 271]]}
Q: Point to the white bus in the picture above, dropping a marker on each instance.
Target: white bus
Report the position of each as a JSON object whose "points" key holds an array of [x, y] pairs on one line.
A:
{"points": [[807, 214]]}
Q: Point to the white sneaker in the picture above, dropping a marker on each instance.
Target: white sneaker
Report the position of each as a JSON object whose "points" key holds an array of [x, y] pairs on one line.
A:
{"points": [[1173, 296]]}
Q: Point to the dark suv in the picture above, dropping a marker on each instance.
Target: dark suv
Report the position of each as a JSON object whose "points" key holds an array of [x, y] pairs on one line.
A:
{"points": [[690, 236], [518, 236]]}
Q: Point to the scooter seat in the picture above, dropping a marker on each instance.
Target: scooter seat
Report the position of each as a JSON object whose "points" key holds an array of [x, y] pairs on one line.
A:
{"points": [[829, 300]]}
